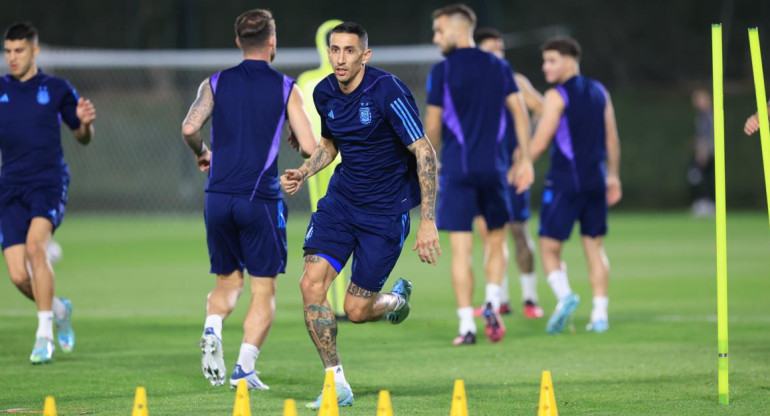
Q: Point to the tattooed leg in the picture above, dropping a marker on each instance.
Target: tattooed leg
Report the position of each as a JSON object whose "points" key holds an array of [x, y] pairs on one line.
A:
{"points": [[363, 305], [319, 317]]}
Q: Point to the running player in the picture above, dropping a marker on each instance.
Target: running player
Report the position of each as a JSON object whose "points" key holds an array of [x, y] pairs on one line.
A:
{"points": [[245, 215], [469, 92], [490, 40], [370, 117], [35, 178], [583, 179]]}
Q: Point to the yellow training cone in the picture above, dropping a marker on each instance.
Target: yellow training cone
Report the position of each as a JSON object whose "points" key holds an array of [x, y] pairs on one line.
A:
{"points": [[49, 408], [140, 402], [329, 406], [289, 408], [384, 407], [459, 401], [547, 405], [242, 407]]}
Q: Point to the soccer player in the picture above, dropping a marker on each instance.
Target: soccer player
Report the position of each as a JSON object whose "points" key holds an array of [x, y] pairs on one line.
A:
{"points": [[752, 123], [388, 167], [469, 92], [34, 178], [490, 40], [583, 179], [244, 214]]}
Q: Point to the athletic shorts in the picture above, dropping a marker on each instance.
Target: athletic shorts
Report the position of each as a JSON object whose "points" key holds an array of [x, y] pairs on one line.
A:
{"points": [[520, 204], [19, 205], [560, 210], [245, 234], [462, 198], [336, 231]]}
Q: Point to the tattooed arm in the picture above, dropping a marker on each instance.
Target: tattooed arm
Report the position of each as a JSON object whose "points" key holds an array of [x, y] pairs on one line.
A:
{"points": [[427, 234], [323, 155], [200, 111]]}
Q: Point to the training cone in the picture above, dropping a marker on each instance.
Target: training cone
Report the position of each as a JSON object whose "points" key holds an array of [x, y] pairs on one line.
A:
{"points": [[49, 408], [289, 408], [140, 402], [459, 401], [329, 406], [547, 405], [384, 407], [242, 407]]}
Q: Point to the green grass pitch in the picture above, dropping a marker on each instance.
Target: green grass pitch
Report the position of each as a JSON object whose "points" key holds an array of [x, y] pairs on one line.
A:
{"points": [[138, 286]]}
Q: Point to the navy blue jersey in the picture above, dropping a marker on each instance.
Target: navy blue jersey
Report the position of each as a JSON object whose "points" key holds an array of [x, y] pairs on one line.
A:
{"points": [[471, 87], [31, 113], [246, 127], [579, 148], [372, 128]]}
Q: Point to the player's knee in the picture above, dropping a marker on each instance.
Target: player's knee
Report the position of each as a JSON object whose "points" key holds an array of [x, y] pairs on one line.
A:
{"points": [[356, 314], [311, 287], [19, 276], [36, 251]]}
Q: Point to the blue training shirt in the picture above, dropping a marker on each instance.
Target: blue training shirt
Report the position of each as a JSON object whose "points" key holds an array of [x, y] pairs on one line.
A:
{"points": [[249, 112], [31, 113], [579, 148], [372, 128], [471, 87]]}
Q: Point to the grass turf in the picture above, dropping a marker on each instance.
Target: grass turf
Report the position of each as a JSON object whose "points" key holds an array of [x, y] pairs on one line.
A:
{"points": [[138, 287]]}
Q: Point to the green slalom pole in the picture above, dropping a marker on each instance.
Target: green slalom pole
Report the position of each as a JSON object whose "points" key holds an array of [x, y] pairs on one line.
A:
{"points": [[721, 213], [317, 184], [764, 129]]}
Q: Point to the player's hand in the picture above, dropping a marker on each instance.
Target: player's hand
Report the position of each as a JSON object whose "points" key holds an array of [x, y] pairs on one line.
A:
{"points": [[521, 175], [614, 190], [752, 125], [204, 160], [427, 241], [85, 111], [292, 180]]}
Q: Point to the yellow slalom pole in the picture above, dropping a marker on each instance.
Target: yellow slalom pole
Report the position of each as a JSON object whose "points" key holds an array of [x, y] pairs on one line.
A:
{"points": [[721, 212], [764, 129]]}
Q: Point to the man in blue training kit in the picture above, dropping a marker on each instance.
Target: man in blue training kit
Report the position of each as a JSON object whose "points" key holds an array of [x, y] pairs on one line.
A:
{"points": [[583, 179], [35, 177], [370, 117], [469, 93], [245, 215]]}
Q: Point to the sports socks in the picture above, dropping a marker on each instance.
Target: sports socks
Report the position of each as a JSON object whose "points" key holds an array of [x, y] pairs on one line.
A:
{"points": [[505, 296], [339, 374], [600, 308], [493, 295], [59, 310], [559, 283], [529, 287], [247, 357], [214, 322], [467, 324], [44, 325]]}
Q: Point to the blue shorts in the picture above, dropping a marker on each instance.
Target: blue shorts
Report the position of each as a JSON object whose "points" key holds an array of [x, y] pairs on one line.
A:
{"points": [[520, 204], [19, 205], [242, 233], [462, 198], [560, 210], [336, 231]]}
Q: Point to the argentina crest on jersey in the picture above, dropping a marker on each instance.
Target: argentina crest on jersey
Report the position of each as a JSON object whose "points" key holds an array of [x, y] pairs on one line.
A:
{"points": [[365, 114], [42, 95]]}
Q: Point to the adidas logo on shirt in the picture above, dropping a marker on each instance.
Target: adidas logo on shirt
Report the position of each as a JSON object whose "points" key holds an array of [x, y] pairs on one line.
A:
{"points": [[331, 114], [4, 98]]}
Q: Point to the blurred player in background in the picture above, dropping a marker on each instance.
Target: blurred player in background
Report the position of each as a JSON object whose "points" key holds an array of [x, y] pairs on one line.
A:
{"points": [[35, 178], [583, 179], [701, 172], [245, 215], [388, 167], [469, 93], [752, 123], [490, 40]]}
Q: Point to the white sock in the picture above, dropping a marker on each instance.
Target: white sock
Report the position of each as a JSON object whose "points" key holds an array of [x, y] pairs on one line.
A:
{"points": [[59, 310], [247, 356], [44, 325], [214, 322], [339, 374], [600, 308], [529, 287], [493, 295], [559, 283], [505, 296], [467, 324]]}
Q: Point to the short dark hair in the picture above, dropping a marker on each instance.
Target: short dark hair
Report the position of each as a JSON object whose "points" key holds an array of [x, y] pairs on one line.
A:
{"points": [[457, 8], [565, 46], [355, 29], [21, 30], [254, 27], [484, 33]]}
